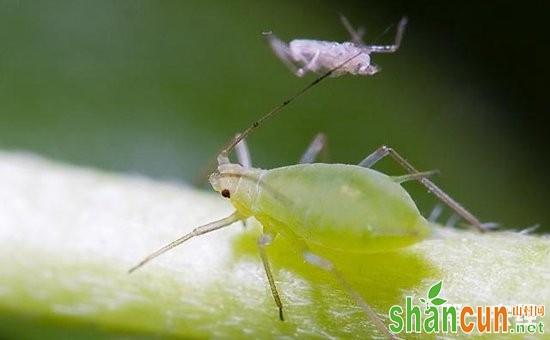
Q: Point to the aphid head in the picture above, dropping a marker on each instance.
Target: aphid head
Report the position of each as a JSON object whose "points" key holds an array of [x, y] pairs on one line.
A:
{"points": [[366, 69], [360, 65], [226, 179]]}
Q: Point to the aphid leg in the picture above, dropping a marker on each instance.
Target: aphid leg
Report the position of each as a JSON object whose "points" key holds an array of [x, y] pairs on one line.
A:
{"points": [[212, 226], [356, 36], [491, 225], [528, 230], [374, 157], [317, 145], [263, 241], [244, 159], [397, 42], [328, 266], [414, 177], [452, 221], [282, 50], [309, 66], [384, 151], [435, 213], [243, 154]]}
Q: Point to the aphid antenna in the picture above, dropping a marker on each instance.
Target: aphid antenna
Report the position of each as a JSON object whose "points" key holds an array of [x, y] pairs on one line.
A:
{"points": [[223, 157]]}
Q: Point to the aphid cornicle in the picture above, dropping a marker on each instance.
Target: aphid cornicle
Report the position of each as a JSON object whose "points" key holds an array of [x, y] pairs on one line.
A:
{"points": [[308, 55], [337, 206]]}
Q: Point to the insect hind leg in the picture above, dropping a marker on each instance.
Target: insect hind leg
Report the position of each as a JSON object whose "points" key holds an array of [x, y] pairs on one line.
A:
{"points": [[384, 151], [300, 245], [282, 51], [317, 145], [325, 264], [414, 177]]}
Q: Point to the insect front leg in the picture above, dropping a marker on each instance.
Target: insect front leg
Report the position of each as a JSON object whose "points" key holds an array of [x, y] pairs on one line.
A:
{"points": [[244, 159], [384, 151], [317, 145], [325, 264], [397, 42], [207, 228], [263, 241], [243, 153]]}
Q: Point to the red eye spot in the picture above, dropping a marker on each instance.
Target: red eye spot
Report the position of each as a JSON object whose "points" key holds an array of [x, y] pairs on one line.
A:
{"points": [[226, 193]]}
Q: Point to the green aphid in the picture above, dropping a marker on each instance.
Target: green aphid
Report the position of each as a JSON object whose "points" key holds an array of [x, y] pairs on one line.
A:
{"points": [[350, 208]]}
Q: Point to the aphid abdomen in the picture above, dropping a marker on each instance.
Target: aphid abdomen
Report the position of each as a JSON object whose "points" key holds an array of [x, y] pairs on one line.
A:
{"points": [[329, 55], [342, 207]]}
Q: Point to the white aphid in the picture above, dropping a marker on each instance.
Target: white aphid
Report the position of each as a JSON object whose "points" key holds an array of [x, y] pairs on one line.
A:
{"points": [[304, 55]]}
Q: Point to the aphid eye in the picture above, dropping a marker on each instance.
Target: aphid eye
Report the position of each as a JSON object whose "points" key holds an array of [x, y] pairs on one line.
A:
{"points": [[226, 193]]}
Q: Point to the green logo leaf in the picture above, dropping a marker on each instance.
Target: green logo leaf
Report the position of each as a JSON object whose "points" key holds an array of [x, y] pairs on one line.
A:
{"points": [[432, 296], [434, 291], [438, 301]]}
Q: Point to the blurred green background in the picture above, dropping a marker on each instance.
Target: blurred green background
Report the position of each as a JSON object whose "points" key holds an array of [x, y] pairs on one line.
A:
{"points": [[157, 87]]}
